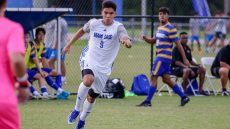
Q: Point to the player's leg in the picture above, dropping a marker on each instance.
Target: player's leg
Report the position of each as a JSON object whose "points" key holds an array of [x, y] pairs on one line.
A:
{"points": [[87, 107], [63, 68], [157, 71], [186, 73], [31, 74], [93, 93], [9, 116], [166, 79], [42, 85], [223, 72], [198, 43], [201, 72], [214, 39], [88, 79], [61, 93]]}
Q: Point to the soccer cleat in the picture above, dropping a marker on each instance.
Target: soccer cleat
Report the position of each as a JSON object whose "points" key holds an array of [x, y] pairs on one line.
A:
{"points": [[184, 100], [63, 95], [80, 124], [73, 116], [203, 93], [145, 104], [225, 93]]}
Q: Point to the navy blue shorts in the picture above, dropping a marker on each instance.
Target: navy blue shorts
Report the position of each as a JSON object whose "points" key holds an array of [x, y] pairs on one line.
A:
{"points": [[160, 67], [32, 72]]}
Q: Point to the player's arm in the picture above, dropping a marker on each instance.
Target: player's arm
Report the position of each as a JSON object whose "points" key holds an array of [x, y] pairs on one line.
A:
{"points": [[123, 37], [181, 50], [177, 58], [149, 40], [79, 34], [17, 61]]}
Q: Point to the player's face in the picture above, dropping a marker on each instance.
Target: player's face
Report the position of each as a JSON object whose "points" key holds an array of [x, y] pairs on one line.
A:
{"points": [[184, 39], [27, 38], [40, 36], [108, 15], [163, 17]]}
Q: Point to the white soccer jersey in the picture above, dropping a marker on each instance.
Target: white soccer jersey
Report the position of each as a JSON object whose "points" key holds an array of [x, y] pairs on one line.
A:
{"points": [[103, 44]]}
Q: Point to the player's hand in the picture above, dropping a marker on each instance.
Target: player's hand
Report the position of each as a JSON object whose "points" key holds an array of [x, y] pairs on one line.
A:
{"points": [[127, 43], [65, 50], [23, 94], [43, 74], [186, 62]]}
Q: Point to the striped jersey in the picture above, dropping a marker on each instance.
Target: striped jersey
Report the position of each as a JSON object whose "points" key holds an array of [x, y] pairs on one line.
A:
{"points": [[30, 53], [165, 37], [40, 52]]}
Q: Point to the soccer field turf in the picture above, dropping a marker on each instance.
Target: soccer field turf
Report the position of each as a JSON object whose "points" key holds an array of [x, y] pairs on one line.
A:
{"points": [[211, 112]]}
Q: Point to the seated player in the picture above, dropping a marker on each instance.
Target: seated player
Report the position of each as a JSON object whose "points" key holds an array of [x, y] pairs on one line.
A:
{"points": [[221, 67], [179, 69], [45, 71], [31, 54]]}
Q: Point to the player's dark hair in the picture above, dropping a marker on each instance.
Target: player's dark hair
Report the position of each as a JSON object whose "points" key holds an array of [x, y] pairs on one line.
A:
{"points": [[181, 33], [164, 10], [2, 2], [109, 4], [40, 29], [26, 32]]}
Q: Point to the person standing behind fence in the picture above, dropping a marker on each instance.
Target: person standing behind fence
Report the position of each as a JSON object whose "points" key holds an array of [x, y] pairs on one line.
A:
{"points": [[53, 56], [12, 64], [194, 27], [105, 36], [209, 33], [220, 31], [165, 36]]}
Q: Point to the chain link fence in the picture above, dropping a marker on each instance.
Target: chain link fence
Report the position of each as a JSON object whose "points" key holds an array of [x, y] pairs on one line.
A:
{"points": [[133, 14]]}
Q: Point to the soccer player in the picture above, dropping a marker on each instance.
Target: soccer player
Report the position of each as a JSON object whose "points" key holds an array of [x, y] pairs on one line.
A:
{"points": [[221, 67], [12, 65], [35, 67], [30, 56], [181, 70], [105, 35], [194, 25], [165, 36], [220, 31], [53, 56]]}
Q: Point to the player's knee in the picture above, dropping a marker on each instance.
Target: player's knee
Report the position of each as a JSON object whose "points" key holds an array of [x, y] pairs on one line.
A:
{"points": [[202, 70], [164, 80], [224, 72], [92, 96], [88, 80], [186, 71]]}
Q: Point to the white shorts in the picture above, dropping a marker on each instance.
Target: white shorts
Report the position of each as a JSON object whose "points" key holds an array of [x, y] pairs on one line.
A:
{"points": [[99, 77]]}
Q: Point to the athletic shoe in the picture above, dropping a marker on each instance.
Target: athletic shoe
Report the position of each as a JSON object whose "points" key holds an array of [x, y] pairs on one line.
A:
{"points": [[63, 95], [225, 93], [145, 104], [80, 124], [184, 100], [203, 93], [73, 116]]}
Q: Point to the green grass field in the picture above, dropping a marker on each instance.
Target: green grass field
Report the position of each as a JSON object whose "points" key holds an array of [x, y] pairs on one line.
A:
{"points": [[201, 113], [128, 63]]}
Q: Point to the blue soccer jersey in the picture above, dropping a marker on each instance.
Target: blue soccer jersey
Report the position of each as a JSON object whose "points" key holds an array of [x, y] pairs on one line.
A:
{"points": [[165, 37]]}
